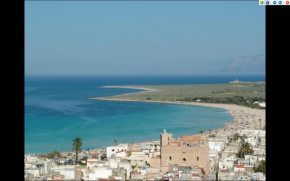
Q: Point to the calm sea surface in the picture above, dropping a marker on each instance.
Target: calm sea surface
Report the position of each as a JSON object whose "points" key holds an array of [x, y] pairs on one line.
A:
{"points": [[56, 111]]}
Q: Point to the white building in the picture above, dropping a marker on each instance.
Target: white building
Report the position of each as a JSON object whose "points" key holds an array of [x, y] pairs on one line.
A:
{"points": [[113, 163], [261, 157], [121, 154], [34, 171], [47, 165], [143, 173], [127, 166], [112, 150], [138, 158], [98, 173], [223, 165], [262, 104], [231, 158], [253, 133], [154, 154], [30, 158], [258, 176], [91, 163], [218, 146], [251, 158], [102, 164], [259, 151], [68, 171], [251, 140], [243, 177], [239, 168]]}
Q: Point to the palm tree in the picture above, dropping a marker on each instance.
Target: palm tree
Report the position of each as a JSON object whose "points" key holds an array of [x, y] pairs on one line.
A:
{"points": [[56, 155], [236, 136], [115, 141], [261, 167], [263, 164], [77, 143], [244, 149], [85, 158], [201, 132], [243, 138]]}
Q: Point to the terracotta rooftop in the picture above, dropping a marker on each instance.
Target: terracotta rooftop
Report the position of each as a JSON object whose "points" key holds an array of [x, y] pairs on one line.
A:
{"points": [[190, 138], [175, 143], [239, 166]]}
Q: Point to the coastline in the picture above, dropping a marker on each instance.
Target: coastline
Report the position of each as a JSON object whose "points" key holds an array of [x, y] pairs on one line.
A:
{"points": [[243, 117], [129, 87]]}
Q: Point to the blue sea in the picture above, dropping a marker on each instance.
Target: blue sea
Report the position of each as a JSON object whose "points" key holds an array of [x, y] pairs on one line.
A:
{"points": [[57, 110]]}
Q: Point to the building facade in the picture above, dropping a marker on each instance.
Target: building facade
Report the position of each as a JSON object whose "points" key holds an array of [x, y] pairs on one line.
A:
{"points": [[187, 151]]}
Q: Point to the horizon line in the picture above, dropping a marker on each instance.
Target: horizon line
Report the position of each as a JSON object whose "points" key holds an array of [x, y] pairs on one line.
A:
{"points": [[146, 75]]}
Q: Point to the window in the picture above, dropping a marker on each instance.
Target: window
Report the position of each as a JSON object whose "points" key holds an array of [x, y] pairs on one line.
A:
{"points": [[197, 158], [168, 139], [170, 158], [184, 159], [113, 150]]}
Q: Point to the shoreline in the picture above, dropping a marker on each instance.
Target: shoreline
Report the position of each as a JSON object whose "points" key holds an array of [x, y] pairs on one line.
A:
{"points": [[129, 87], [239, 114], [243, 117], [228, 107]]}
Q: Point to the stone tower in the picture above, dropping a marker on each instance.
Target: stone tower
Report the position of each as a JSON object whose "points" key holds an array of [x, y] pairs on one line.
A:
{"points": [[165, 138]]}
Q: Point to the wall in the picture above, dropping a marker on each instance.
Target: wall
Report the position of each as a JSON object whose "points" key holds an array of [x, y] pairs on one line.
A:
{"points": [[100, 173], [189, 153], [216, 145], [155, 162], [113, 149], [68, 172]]}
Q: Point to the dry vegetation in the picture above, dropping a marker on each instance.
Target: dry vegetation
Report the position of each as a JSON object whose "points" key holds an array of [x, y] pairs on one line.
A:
{"points": [[232, 93]]}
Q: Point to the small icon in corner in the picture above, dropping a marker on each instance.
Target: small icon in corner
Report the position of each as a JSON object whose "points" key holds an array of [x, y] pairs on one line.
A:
{"points": [[262, 2], [274, 2], [280, 2], [267, 2]]}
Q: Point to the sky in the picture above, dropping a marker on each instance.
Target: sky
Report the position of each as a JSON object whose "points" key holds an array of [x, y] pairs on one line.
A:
{"points": [[139, 38]]}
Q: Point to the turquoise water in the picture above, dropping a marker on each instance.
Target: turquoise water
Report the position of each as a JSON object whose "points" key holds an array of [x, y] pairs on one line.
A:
{"points": [[56, 111]]}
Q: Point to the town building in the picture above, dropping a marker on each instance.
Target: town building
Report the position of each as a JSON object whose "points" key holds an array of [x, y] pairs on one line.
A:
{"points": [[188, 151], [112, 150]]}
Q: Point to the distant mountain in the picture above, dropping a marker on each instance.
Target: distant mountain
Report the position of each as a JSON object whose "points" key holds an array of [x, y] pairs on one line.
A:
{"points": [[245, 65]]}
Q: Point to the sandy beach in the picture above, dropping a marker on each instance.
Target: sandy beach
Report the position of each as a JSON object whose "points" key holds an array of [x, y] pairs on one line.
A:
{"points": [[244, 117]]}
